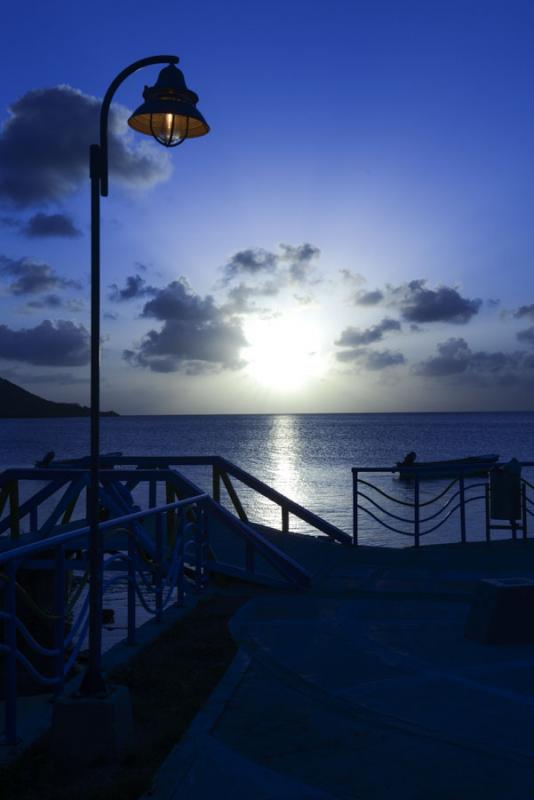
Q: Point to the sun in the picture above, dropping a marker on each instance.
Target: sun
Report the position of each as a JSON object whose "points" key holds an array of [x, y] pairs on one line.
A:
{"points": [[283, 353]]}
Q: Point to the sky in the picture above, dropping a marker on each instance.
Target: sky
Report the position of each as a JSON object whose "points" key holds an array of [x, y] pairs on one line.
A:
{"points": [[354, 234]]}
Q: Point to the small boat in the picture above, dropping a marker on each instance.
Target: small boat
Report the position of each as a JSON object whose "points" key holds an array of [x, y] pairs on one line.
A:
{"points": [[432, 470]]}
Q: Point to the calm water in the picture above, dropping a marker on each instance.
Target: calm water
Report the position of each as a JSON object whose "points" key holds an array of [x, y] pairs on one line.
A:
{"points": [[307, 457]]}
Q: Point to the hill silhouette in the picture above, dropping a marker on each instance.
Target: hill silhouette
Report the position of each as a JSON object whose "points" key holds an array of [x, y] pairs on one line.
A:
{"points": [[17, 402]]}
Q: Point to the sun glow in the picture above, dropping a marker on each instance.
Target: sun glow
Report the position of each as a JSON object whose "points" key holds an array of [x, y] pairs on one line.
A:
{"points": [[283, 353]]}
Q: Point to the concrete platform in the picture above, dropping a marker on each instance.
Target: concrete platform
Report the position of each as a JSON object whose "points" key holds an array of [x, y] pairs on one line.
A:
{"points": [[367, 688]]}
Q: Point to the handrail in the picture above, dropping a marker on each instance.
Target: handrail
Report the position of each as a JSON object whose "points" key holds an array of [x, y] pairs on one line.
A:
{"points": [[216, 462], [277, 557], [457, 501], [173, 555], [168, 578], [62, 538], [292, 507]]}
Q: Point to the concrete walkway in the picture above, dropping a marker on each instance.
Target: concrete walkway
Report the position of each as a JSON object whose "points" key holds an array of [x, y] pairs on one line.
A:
{"points": [[366, 688]]}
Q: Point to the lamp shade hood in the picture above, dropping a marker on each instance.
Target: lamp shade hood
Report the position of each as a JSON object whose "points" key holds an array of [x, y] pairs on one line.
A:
{"points": [[169, 112]]}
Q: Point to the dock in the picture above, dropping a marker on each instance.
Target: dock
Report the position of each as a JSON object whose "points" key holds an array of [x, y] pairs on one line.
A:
{"points": [[367, 687], [353, 677]]}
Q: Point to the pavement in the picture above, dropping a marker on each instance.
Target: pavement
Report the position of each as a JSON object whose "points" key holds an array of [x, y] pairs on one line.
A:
{"points": [[365, 687]]}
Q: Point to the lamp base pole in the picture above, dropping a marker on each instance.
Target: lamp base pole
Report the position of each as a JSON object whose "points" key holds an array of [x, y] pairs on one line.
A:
{"points": [[93, 681]]}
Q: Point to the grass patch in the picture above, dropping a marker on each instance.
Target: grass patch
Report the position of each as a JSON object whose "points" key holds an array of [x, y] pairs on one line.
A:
{"points": [[169, 681]]}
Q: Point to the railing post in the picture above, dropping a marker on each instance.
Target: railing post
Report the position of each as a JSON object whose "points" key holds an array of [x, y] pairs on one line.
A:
{"points": [[14, 510], [416, 511], [201, 537], [10, 661], [487, 508], [59, 613], [216, 483], [159, 568], [132, 564], [524, 509], [169, 498], [354, 507], [463, 532], [513, 525], [285, 519], [180, 582]]}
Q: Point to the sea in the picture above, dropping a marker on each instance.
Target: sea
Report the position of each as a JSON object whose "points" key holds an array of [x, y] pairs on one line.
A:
{"points": [[307, 457]]}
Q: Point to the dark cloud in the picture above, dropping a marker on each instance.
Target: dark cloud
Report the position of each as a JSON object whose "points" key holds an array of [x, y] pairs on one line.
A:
{"points": [[45, 142], [55, 301], [373, 360], [196, 335], [42, 225], [455, 359], [240, 298], [421, 304], [356, 337], [135, 288], [525, 311], [33, 277], [49, 301], [253, 261], [418, 303], [178, 301], [293, 265], [299, 260], [527, 335], [380, 359], [371, 298], [62, 344]]}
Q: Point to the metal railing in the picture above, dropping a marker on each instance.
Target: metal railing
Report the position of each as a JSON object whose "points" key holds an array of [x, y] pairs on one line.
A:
{"points": [[416, 517], [223, 469], [177, 565], [222, 472], [159, 554]]}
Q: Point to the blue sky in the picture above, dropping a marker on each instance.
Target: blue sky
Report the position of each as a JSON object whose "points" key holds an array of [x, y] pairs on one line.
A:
{"points": [[354, 234]]}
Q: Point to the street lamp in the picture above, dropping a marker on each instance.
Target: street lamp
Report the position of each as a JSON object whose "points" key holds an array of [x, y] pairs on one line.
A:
{"points": [[169, 114]]}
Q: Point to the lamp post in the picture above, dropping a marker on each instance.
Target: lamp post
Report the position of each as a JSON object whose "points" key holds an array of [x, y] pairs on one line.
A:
{"points": [[169, 114]]}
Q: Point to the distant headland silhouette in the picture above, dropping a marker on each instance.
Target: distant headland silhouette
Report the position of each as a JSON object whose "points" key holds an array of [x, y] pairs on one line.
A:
{"points": [[16, 402]]}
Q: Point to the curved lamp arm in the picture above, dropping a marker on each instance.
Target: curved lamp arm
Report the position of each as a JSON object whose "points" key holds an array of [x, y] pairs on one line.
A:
{"points": [[104, 112]]}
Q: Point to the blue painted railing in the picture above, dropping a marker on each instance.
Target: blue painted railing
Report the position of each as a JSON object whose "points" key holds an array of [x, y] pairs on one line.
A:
{"points": [[160, 554], [222, 472], [181, 542], [417, 518]]}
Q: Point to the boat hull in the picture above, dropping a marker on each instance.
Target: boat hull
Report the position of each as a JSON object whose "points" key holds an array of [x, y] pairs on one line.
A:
{"points": [[438, 470]]}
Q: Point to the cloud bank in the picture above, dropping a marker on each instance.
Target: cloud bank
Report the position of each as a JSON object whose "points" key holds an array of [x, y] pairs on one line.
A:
{"points": [[455, 359], [196, 335], [135, 287], [293, 265], [45, 142], [418, 303], [33, 277], [50, 225], [62, 344]]}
